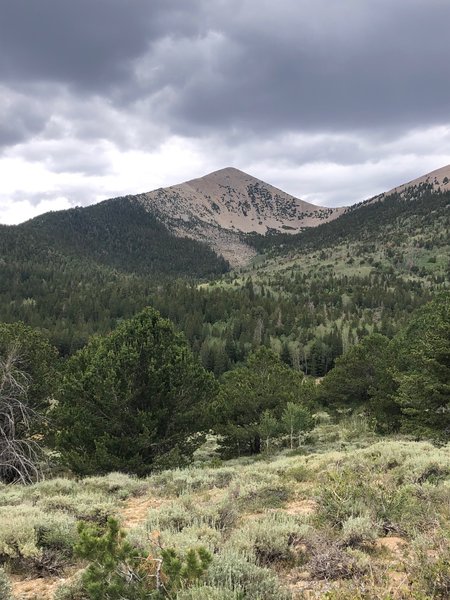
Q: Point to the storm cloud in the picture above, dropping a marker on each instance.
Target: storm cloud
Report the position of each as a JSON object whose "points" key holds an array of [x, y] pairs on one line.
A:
{"points": [[332, 101]]}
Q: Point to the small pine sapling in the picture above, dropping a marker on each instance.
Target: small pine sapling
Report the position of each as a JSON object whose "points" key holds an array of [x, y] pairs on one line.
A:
{"points": [[117, 570]]}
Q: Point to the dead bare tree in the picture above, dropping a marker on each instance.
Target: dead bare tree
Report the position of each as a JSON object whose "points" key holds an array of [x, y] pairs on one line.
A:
{"points": [[20, 455]]}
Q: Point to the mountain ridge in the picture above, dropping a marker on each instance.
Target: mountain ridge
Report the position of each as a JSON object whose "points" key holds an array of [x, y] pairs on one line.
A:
{"points": [[76, 272], [222, 209], [438, 178], [221, 206], [245, 201]]}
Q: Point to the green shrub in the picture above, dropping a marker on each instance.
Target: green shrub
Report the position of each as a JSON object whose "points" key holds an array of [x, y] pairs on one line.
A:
{"points": [[431, 566], [355, 427], [359, 531], [53, 487], [227, 515], [26, 531], [350, 491], [175, 516], [118, 485], [183, 513], [262, 497], [267, 540], [298, 473], [190, 537], [73, 590], [85, 506], [343, 494], [178, 482], [229, 570], [418, 462], [114, 564], [12, 495], [324, 435], [183, 572], [119, 570], [5, 586]]}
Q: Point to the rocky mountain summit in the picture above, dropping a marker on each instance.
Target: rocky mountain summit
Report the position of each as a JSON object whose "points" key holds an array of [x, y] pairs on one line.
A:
{"points": [[219, 207]]}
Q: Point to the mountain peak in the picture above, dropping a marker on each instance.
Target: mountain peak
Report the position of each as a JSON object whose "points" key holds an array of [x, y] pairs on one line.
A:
{"points": [[226, 176], [236, 201], [227, 172], [222, 205]]}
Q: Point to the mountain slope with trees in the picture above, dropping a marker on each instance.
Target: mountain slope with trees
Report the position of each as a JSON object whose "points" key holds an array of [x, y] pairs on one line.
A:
{"points": [[117, 234], [308, 296]]}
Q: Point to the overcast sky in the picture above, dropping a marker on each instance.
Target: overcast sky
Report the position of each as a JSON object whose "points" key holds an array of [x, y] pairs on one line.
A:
{"points": [[330, 100]]}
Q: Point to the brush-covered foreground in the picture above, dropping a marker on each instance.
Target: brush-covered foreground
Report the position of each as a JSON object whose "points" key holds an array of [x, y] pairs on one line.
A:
{"points": [[347, 516]]}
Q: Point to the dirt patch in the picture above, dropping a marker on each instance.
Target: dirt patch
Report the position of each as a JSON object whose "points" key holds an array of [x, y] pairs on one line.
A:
{"points": [[398, 583], [135, 510], [306, 589], [36, 589], [398, 580], [296, 507], [395, 545], [301, 507]]}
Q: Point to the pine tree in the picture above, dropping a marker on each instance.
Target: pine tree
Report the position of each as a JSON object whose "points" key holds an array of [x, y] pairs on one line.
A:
{"points": [[131, 399]]}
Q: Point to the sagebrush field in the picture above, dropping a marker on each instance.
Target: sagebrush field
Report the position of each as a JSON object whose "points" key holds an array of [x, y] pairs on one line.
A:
{"points": [[346, 516]]}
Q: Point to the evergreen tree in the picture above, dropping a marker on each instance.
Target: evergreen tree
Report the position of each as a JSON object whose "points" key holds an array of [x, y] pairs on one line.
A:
{"points": [[361, 379], [36, 358], [286, 354], [423, 371], [296, 419], [132, 400], [264, 383]]}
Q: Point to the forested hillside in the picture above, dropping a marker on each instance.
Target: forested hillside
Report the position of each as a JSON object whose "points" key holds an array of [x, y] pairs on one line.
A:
{"points": [[417, 217], [119, 234], [309, 296], [78, 272], [312, 296]]}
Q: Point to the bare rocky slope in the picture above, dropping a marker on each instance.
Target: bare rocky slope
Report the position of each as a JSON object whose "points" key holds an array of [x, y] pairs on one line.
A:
{"points": [[219, 207]]}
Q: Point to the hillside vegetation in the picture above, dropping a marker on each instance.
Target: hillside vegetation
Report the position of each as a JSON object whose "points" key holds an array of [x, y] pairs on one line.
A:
{"points": [[347, 516], [279, 431], [309, 297], [314, 503], [77, 272]]}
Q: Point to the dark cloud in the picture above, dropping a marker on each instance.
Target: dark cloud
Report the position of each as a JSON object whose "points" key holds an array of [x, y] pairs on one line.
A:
{"points": [[258, 66], [365, 65], [87, 43], [251, 82], [21, 118]]}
